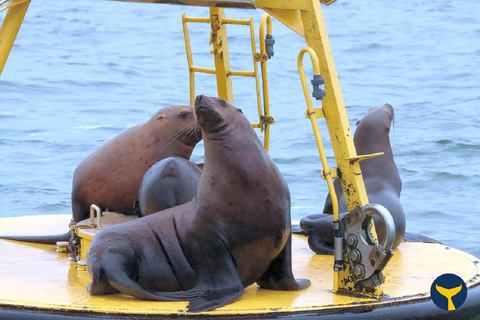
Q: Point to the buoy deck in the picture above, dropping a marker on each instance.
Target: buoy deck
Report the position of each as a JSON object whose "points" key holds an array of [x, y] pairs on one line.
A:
{"points": [[36, 276]]}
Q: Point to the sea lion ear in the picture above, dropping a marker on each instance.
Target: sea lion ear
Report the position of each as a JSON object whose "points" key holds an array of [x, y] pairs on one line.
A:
{"points": [[240, 110], [160, 118], [356, 124]]}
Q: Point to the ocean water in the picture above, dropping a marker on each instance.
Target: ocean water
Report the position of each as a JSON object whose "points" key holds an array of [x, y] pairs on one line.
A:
{"points": [[81, 73]]}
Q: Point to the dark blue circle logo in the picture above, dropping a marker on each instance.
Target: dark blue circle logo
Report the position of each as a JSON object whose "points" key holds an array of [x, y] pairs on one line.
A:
{"points": [[448, 291]]}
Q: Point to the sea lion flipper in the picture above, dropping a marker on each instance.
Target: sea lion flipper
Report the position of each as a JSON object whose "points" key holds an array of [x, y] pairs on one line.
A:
{"points": [[320, 245], [45, 239], [296, 229], [220, 289], [279, 275], [214, 298], [121, 282]]}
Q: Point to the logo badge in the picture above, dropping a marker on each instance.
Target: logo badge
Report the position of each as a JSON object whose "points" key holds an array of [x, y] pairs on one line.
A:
{"points": [[448, 291]]}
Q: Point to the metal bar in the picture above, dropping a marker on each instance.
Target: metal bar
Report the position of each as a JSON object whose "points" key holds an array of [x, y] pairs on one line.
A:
{"points": [[241, 73], [10, 27], [265, 20], [204, 70], [236, 21], [188, 50], [318, 139], [195, 19]]}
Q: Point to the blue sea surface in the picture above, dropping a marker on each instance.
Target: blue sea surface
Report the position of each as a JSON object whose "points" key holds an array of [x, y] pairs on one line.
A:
{"points": [[82, 72]]}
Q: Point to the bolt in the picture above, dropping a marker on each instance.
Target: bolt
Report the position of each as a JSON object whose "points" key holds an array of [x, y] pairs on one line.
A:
{"points": [[351, 240], [359, 271], [355, 255]]}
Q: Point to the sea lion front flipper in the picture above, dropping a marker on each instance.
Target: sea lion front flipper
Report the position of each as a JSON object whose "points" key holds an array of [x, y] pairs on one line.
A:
{"points": [[279, 275], [219, 280]]}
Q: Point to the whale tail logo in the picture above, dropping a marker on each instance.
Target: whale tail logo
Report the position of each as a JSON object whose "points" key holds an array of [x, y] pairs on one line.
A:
{"points": [[449, 293]]}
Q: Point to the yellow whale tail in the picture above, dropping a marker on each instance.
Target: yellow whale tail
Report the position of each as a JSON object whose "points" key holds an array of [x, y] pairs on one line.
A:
{"points": [[449, 293]]}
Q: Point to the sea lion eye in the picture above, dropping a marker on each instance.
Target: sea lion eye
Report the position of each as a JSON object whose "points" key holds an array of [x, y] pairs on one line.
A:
{"points": [[184, 115], [222, 102]]}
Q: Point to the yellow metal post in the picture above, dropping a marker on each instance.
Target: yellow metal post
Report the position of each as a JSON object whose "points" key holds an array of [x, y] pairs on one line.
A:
{"points": [[11, 24], [334, 108], [340, 133], [221, 54]]}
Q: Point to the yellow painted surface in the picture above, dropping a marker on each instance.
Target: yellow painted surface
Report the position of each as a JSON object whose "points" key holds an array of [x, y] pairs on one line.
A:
{"points": [[37, 276]]}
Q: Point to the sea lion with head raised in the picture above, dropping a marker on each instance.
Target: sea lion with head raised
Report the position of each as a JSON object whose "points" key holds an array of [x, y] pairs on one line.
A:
{"points": [[110, 177], [168, 183], [235, 232], [381, 178]]}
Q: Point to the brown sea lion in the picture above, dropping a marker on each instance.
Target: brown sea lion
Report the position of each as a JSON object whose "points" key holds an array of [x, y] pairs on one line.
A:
{"points": [[381, 178], [168, 183], [110, 177], [235, 232]]}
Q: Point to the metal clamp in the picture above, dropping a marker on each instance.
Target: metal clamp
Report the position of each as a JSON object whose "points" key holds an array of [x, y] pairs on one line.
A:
{"points": [[365, 256]]}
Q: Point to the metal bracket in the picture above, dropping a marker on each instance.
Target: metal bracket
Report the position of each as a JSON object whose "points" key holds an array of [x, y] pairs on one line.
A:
{"points": [[318, 112], [267, 119], [367, 258]]}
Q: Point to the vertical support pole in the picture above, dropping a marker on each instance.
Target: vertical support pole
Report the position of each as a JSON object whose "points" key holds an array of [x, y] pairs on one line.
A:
{"points": [[221, 54], [334, 108], [10, 27], [333, 105]]}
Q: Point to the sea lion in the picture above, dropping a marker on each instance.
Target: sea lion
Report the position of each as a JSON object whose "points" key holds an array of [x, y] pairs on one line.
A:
{"points": [[110, 177], [236, 231], [380, 175], [168, 183]]}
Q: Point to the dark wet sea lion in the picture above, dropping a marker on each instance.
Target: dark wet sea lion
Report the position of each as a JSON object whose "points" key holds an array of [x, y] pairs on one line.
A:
{"points": [[110, 177], [380, 175], [235, 232], [168, 183]]}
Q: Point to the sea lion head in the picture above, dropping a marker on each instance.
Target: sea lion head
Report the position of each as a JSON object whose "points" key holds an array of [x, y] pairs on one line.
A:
{"points": [[182, 122], [376, 123], [217, 117]]}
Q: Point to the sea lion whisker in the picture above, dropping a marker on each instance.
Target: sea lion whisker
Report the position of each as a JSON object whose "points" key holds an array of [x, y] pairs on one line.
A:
{"points": [[172, 138], [175, 135]]}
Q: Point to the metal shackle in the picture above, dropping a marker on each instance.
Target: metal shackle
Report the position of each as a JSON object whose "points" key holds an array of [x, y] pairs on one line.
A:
{"points": [[386, 216]]}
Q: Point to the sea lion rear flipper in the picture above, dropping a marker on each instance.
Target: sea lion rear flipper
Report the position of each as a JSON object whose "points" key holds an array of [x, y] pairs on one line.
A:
{"points": [[320, 245], [214, 298], [279, 275], [121, 282], [296, 229], [46, 239]]}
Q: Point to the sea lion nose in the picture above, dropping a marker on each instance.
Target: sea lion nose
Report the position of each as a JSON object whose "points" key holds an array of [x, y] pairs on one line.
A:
{"points": [[199, 98]]}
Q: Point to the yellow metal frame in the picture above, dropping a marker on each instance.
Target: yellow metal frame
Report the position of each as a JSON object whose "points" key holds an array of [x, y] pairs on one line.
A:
{"points": [[219, 41]]}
